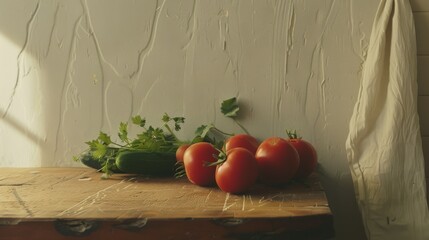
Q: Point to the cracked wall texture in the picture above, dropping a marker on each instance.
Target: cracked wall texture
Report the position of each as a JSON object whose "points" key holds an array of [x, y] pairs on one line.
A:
{"points": [[72, 68]]}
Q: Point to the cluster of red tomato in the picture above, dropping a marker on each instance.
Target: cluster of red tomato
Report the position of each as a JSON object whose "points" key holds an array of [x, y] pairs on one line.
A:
{"points": [[244, 161]]}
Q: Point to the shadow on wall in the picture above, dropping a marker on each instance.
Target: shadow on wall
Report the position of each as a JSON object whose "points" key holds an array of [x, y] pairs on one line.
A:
{"points": [[20, 126], [35, 83]]}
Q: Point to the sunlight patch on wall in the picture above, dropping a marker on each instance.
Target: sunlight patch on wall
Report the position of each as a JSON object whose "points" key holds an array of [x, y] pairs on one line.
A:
{"points": [[20, 110]]}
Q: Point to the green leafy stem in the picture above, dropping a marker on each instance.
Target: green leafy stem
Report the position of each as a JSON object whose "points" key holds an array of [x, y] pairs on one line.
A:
{"points": [[151, 139]]}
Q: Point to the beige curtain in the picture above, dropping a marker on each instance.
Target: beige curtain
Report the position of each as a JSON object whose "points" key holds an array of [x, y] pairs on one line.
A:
{"points": [[384, 147]]}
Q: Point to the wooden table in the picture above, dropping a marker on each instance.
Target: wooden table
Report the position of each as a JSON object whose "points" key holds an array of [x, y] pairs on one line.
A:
{"points": [[59, 203]]}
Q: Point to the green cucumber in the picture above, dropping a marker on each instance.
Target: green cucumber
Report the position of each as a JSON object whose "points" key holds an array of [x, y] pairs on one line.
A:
{"points": [[88, 160], [156, 164]]}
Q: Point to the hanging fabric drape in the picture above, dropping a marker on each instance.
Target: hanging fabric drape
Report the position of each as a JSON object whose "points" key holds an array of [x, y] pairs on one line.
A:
{"points": [[384, 147]]}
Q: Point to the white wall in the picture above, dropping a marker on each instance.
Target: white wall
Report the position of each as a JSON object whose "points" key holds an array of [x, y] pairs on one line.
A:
{"points": [[71, 68]]}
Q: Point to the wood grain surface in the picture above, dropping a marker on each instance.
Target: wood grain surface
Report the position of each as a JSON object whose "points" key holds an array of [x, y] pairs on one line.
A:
{"points": [[31, 195]]}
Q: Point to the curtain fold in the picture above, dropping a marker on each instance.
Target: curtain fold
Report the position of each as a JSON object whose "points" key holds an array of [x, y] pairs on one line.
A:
{"points": [[384, 148]]}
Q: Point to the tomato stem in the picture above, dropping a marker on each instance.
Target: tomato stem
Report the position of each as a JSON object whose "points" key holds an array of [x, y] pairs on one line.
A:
{"points": [[220, 158], [292, 135]]}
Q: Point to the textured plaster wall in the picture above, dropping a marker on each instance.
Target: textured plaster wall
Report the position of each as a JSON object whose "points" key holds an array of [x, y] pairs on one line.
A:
{"points": [[69, 69]]}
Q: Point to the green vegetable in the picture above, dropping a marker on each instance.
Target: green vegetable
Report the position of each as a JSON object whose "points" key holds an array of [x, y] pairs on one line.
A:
{"points": [[105, 151], [88, 160], [158, 164], [152, 143]]}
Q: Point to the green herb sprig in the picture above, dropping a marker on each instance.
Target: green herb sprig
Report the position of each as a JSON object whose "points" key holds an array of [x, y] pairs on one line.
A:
{"points": [[229, 108], [151, 139]]}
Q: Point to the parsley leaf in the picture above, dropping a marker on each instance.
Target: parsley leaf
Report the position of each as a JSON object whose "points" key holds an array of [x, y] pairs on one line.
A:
{"points": [[98, 150], [230, 108], [104, 138], [138, 120], [123, 132], [203, 130]]}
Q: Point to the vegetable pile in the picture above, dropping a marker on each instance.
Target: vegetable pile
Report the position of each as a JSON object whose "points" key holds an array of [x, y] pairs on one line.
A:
{"points": [[233, 162], [152, 152]]}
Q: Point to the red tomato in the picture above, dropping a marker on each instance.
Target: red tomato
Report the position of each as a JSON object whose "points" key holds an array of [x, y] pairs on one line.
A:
{"points": [[307, 156], [277, 160], [195, 159], [242, 140], [238, 173], [181, 151]]}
